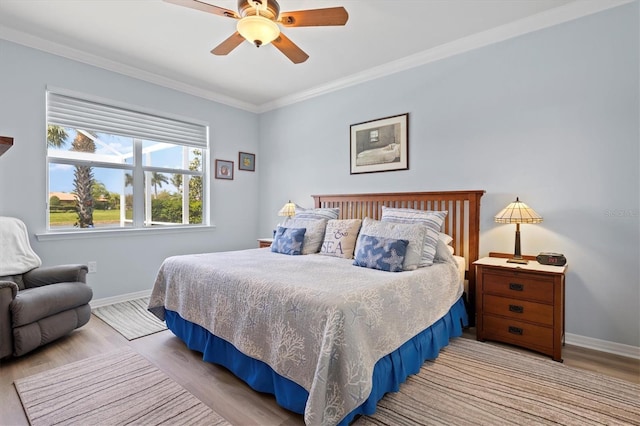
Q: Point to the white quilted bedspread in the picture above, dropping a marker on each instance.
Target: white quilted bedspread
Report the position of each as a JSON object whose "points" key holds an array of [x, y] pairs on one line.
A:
{"points": [[317, 320]]}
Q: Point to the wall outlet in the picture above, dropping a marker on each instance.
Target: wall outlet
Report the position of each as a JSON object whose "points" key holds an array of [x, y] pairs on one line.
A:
{"points": [[93, 266]]}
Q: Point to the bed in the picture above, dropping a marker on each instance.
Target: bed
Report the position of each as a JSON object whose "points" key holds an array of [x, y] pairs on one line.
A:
{"points": [[331, 339], [385, 154]]}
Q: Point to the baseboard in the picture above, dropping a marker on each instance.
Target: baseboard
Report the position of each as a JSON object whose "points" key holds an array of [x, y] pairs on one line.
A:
{"points": [[96, 303], [603, 345]]}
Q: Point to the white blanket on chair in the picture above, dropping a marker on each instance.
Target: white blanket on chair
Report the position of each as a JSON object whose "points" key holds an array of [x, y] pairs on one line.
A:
{"points": [[16, 254]]}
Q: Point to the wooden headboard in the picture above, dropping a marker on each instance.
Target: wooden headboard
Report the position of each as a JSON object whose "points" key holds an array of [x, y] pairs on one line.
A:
{"points": [[462, 222]]}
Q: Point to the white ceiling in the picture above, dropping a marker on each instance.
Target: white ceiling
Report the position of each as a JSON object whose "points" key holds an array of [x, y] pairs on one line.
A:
{"points": [[169, 45]]}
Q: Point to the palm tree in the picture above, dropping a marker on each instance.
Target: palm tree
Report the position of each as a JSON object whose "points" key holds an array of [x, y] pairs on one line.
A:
{"points": [[83, 175], [84, 181], [56, 136], [176, 180], [157, 179], [195, 183]]}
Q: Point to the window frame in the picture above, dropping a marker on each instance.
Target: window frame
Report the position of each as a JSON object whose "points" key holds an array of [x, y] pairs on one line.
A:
{"points": [[198, 140]]}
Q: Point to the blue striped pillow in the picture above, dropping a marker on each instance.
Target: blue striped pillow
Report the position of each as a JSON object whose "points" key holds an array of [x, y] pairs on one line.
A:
{"points": [[433, 221], [319, 213]]}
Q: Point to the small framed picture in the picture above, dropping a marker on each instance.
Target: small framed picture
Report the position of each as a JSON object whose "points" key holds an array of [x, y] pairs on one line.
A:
{"points": [[224, 169], [247, 161]]}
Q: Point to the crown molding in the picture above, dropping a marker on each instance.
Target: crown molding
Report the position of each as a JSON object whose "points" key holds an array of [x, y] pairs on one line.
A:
{"points": [[48, 46], [568, 12], [549, 18]]}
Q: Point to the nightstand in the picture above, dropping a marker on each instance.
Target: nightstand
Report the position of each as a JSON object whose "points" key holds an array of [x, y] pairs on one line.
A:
{"points": [[520, 304], [264, 242]]}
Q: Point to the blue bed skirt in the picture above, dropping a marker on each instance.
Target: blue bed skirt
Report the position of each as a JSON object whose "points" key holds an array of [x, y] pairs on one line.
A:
{"points": [[389, 372]]}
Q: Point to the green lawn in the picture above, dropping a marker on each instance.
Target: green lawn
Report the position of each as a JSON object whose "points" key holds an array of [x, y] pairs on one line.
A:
{"points": [[99, 217]]}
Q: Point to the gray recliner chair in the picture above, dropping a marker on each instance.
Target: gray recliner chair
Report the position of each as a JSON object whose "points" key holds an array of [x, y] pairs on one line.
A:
{"points": [[37, 304]]}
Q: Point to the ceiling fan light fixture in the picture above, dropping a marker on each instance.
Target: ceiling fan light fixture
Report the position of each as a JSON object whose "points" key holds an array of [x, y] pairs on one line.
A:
{"points": [[258, 30]]}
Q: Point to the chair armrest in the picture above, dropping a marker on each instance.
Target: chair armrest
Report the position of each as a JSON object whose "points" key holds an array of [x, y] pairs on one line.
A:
{"points": [[8, 291], [55, 274], [13, 289]]}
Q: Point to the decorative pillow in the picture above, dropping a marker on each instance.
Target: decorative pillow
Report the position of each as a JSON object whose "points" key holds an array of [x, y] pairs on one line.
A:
{"points": [[319, 213], [288, 240], [445, 238], [443, 253], [414, 233], [340, 238], [314, 235], [385, 254], [433, 220]]}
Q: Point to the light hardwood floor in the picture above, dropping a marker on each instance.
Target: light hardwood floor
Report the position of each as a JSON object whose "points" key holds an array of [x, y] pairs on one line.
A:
{"points": [[213, 385]]}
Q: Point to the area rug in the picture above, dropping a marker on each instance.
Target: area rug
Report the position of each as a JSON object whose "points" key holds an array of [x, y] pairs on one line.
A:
{"points": [[130, 318], [116, 388], [474, 383]]}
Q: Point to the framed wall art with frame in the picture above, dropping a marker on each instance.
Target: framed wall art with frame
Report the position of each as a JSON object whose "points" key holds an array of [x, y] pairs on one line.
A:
{"points": [[224, 169], [380, 145], [246, 161]]}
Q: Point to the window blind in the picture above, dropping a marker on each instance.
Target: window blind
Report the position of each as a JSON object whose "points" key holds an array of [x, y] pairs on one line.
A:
{"points": [[73, 112]]}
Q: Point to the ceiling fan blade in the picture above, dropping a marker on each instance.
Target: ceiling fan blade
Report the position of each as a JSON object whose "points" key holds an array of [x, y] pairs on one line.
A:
{"points": [[290, 49], [314, 17], [228, 45], [205, 7]]}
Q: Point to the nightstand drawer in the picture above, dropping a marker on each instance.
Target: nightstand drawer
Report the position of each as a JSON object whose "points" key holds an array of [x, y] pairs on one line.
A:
{"points": [[518, 309], [519, 285], [518, 333]]}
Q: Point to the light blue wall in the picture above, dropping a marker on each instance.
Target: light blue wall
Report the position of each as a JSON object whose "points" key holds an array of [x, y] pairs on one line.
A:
{"points": [[126, 264], [551, 117]]}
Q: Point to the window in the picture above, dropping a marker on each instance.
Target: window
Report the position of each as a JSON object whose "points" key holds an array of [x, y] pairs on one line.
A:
{"points": [[112, 166]]}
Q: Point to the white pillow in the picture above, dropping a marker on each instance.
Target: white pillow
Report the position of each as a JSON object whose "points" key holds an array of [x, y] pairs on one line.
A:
{"points": [[433, 221], [414, 233], [445, 238], [443, 252], [314, 235]]}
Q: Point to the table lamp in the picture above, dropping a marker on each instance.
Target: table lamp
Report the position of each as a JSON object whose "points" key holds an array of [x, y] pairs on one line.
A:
{"points": [[518, 212], [289, 209]]}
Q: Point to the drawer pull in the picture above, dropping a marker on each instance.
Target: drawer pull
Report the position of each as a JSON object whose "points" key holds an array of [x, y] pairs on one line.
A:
{"points": [[516, 308], [515, 330], [516, 287]]}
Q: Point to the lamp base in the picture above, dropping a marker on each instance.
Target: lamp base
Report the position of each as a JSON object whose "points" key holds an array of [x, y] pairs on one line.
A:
{"points": [[516, 260]]}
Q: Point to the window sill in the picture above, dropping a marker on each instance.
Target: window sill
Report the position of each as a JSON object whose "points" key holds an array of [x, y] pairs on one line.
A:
{"points": [[118, 232]]}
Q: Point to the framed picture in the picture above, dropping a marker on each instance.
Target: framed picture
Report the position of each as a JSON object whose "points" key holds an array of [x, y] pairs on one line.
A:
{"points": [[380, 145], [247, 161], [224, 169]]}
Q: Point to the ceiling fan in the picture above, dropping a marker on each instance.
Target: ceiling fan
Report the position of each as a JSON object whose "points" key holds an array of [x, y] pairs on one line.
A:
{"points": [[258, 24]]}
